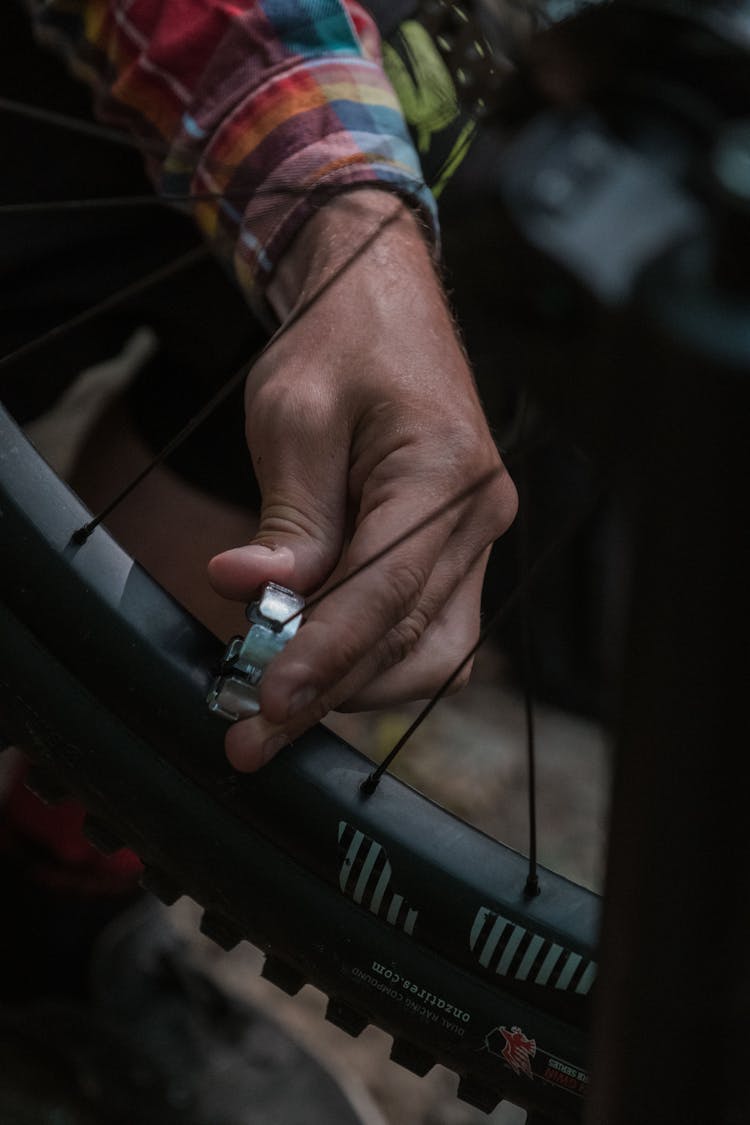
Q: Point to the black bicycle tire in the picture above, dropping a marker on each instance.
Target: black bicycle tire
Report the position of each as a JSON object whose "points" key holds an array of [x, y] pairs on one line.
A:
{"points": [[105, 676]]}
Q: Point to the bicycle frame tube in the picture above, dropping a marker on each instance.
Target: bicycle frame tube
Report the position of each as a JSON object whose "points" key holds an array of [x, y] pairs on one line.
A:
{"points": [[660, 373], [673, 1021]]}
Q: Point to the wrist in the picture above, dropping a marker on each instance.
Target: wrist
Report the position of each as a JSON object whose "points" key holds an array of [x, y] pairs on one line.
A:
{"points": [[364, 225]]}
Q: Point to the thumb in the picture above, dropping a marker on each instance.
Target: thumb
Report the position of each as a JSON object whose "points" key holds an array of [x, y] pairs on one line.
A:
{"points": [[302, 519]]}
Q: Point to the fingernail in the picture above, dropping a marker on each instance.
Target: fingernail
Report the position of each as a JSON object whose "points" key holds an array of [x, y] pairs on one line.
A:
{"points": [[271, 748], [300, 700]]}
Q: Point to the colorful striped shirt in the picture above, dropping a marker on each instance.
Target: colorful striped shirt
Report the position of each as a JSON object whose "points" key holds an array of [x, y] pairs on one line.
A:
{"points": [[257, 108]]}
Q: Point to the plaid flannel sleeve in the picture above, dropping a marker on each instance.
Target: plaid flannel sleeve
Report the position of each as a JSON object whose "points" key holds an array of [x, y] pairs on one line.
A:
{"points": [[257, 108]]}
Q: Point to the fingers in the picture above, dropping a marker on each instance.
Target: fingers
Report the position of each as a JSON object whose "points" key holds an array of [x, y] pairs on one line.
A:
{"points": [[375, 681], [252, 743], [237, 573], [405, 589], [438, 656], [390, 604]]}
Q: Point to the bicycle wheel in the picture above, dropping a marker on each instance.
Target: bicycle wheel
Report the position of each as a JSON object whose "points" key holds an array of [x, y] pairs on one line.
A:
{"points": [[345, 892]]}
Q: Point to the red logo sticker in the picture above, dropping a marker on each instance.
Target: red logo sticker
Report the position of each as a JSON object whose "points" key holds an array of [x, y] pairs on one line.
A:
{"points": [[518, 1050]]}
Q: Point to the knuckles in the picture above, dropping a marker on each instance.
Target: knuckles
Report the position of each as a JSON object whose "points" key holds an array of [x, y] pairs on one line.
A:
{"points": [[402, 639], [402, 589]]}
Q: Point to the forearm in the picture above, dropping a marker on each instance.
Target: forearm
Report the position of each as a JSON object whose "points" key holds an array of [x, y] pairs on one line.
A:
{"points": [[363, 419], [259, 112]]}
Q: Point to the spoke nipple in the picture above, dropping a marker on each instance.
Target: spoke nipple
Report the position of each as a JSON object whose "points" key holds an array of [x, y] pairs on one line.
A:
{"points": [[533, 887], [369, 785], [80, 536]]}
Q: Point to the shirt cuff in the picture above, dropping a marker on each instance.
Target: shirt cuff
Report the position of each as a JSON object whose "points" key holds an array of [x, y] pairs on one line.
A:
{"points": [[308, 133]]}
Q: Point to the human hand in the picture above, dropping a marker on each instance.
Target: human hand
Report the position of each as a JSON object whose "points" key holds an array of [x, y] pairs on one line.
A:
{"points": [[362, 418]]}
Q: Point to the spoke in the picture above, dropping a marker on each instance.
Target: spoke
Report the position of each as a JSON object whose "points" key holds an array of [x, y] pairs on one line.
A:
{"points": [[80, 125], [151, 199], [156, 148], [82, 533], [532, 887], [111, 302], [54, 205], [436, 514], [571, 526]]}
